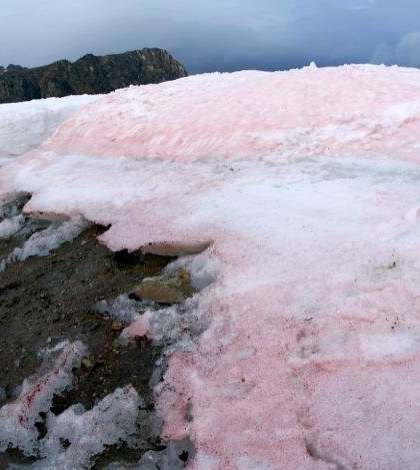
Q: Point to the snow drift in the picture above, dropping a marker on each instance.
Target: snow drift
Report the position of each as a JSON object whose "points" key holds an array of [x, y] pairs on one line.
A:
{"points": [[303, 187], [353, 110], [26, 125]]}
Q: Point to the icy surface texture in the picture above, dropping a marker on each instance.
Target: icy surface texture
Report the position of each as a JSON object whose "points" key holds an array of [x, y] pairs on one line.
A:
{"points": [[23, 126], [172, 327], [304, 185], [17, 419], [10, 226], [75, 436], [87, 433], [202, 269], [123, 308], [43, 242], [171, 458], [12, 207]]}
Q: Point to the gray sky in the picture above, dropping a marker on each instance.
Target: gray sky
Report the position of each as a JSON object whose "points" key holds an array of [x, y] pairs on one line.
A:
{"points": [[207, 35]]}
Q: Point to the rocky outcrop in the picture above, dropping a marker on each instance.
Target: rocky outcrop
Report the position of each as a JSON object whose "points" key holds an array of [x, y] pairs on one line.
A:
{"points": [[88, 75]]}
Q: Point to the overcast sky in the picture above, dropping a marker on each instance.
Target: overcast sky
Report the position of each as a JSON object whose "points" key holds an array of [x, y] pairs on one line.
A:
{"points": [[207, 35]]}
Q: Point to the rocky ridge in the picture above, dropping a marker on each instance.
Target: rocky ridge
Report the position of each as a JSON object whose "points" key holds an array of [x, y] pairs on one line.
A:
{"points": [[88, 75]]}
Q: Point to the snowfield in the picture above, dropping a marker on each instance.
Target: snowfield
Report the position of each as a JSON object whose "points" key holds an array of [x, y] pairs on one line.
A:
{"points": [[24, 126], [301, 192]]}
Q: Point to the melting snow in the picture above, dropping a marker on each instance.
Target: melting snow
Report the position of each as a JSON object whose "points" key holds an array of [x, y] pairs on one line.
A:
{"points": [[111, 421], [304, 188], [9, 227], [17, 419], [43, 242]]}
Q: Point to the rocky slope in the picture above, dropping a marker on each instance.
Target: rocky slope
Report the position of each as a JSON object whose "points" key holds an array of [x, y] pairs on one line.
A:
{"points": [[90, 74]]}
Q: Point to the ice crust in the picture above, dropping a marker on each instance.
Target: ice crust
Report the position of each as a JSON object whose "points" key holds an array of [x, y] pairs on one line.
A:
{"points": [[43, 242], [111, 421], [9, 227], [304, 186], [17, 419]]}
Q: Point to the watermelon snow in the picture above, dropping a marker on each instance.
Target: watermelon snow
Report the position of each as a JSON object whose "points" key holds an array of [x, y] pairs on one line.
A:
{"points": [[301, 190]]}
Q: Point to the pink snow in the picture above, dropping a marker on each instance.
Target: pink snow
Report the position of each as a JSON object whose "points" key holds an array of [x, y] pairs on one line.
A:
{"points": [[18, 418], [305, 184], [350, 110], [138, 328]]}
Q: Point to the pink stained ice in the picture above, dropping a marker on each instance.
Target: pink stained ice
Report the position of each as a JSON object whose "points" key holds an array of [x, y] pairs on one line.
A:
{"points": [[305, 185], [18, 419]]}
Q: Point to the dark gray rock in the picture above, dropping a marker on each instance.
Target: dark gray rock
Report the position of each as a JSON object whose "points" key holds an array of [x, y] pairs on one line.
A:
{"points": [[90, 74]]}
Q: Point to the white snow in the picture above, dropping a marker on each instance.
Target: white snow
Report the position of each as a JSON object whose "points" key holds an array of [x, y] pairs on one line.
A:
{"points": [[202, 268], [24, 126], [111, 421], [122, 308], [9, 227], [303, 189]]}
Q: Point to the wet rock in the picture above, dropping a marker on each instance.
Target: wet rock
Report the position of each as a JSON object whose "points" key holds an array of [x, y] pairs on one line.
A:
{"points": [[167, 289]]}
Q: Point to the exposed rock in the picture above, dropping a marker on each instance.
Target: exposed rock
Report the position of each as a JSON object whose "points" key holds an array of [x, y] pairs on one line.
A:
{"points": [[88, 75], [86, 363], [117, 326], [165, 289]]}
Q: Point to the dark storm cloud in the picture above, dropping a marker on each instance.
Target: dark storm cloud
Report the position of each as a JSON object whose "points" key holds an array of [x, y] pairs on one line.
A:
{"points": [[214, 34]]}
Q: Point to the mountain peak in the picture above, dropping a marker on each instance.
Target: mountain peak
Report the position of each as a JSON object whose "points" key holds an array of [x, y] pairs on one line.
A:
{"points": [[88, 75]]}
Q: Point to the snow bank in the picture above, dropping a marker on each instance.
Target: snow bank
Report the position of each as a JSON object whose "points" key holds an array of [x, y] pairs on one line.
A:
{"points": [[350, 110], [23, 126], [304, 186]]}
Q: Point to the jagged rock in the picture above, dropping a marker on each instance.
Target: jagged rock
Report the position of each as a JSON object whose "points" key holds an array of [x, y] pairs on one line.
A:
{"points": [[90, 74], [165, 289]]}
